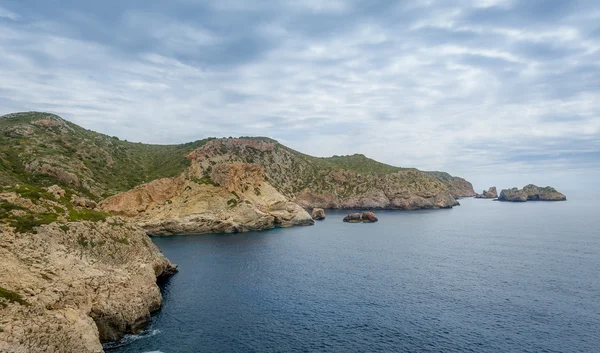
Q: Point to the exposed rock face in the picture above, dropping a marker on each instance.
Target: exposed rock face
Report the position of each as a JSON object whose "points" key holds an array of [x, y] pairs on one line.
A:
{"points": [[80, 283], [365, 217], [242, 201], [318, 213], [337, 182], [531, 193], [457, 186], [491, 193]]}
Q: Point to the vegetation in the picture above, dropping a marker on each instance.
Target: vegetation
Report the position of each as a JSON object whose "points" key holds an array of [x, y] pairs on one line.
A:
{"points": [[11, 297]]}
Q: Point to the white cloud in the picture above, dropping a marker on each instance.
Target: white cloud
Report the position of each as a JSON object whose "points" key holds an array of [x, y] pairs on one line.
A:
{"points": [[475, 106]]}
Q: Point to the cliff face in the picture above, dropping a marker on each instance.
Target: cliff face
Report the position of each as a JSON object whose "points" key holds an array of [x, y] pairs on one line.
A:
{"points": [[234, 198], [531, 193], [457, 186], [70, 286], [336, 182]]}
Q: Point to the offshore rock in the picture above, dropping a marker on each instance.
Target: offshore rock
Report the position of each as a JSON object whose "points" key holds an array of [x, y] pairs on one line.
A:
{"points": [[491, 193], [531, 193], [365, 217], [318, 214]]}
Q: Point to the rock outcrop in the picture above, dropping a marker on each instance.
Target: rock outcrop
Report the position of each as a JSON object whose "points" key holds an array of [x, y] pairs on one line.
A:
{"points": [[365, 217], [71, 286], [491, 193], [531, 193], [318, 214], [234, 198]]}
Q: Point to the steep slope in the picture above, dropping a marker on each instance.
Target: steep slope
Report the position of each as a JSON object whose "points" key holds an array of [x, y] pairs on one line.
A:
{"points": [[457, 186], [336, 182], [42, 149], [234, 198]]}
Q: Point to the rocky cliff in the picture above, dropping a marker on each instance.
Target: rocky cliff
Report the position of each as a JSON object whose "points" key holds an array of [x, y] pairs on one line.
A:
{"points": [[337, 182], [72, 285], [531, 193], [234, 198]]}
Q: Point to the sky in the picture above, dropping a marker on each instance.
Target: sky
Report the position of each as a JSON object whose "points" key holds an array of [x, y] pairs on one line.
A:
{"points": [[501, 92]]}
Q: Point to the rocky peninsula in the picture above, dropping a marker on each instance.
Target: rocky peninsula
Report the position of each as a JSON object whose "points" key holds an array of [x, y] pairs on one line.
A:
{"points": [[531, 193]]}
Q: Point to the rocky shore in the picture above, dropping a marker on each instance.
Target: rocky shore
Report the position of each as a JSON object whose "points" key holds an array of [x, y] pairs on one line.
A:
{"points": [[71, 286]]}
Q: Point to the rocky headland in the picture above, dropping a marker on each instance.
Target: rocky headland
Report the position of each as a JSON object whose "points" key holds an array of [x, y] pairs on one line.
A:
{"points": [[234, 198], [71, 286], [531, 193], [491, 193]]}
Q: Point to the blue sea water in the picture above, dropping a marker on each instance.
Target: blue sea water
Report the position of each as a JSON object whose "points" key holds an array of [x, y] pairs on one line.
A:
{"points": [[483, 277]]}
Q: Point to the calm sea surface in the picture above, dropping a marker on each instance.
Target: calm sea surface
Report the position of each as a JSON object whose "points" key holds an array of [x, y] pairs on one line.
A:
{"points": [[483, 277]]}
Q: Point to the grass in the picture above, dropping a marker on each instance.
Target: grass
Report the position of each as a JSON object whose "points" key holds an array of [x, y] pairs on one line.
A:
{"points": [[12, 297]]}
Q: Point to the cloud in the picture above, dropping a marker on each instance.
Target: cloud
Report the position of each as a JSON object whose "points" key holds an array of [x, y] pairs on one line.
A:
{"points": [[486, 90]]}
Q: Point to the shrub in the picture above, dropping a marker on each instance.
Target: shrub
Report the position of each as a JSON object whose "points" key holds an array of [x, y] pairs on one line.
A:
{"points": [[12, 297], [87, 215]]}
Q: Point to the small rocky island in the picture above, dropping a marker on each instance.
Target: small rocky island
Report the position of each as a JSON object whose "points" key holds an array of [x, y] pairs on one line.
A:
{"points": [[365, 217], [318, 214], [531, 193], [491, 193]]}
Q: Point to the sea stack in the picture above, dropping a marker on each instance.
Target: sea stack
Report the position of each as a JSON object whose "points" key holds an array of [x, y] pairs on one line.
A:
{"points": [[491, 193], [318, 214]]}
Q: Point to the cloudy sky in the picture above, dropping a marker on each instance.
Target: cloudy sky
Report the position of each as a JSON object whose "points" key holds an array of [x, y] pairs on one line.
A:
{"points": [[502, 92]]}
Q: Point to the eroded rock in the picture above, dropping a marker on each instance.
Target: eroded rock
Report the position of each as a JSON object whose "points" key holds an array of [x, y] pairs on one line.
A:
{"points": [[531, 193], [318, 214]]}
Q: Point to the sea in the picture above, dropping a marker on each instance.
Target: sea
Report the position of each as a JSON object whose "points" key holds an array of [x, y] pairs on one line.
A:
{"points": [[485, 276]]}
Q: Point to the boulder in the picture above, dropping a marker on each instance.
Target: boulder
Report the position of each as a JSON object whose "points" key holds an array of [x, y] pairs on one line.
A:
{"points": [[491, 193], [368, 217], [531, 193], [318, 214], [56, 191], [365, 217], [82, 202], [353, 218]]}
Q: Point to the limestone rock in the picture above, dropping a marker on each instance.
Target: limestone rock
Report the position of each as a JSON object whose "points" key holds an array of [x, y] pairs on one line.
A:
{"points": [[318, 214], [531, 193], [56, 191], [368, 217], [82, 202], [236, 198], [352, 218], [491, 193], [80, 283], [365, 217]]}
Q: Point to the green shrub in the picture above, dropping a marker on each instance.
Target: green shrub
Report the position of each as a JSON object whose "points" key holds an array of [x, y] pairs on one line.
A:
{"points": [[27, 223], [12, 297], [87, 215]]}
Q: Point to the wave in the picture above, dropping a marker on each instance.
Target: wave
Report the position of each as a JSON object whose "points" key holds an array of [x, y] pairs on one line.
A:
{"points": [[128, 339]]}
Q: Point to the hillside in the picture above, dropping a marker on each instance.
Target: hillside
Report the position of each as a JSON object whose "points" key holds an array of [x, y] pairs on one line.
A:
{"points": [[40, 149]]}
